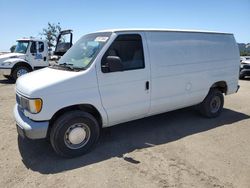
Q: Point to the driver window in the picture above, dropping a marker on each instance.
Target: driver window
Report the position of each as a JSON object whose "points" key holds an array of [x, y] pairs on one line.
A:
{"points": [[33, 47], [41, 46], [128, 47]]}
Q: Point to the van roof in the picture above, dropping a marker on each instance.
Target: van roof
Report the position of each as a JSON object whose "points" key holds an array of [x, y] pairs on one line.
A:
{"points": [[162, 30]]}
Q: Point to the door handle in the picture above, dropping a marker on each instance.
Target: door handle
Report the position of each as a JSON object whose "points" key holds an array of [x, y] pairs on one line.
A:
{"points": [[147, 85]]}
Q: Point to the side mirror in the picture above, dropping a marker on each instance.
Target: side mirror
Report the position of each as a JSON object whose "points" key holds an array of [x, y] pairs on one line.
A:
{"points": [[114, 64]]}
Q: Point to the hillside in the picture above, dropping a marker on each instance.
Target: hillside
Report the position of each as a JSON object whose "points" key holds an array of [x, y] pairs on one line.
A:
{"points": [[244, 49]]}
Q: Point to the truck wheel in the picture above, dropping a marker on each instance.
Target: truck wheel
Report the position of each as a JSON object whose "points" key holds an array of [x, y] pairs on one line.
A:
{"points": [[74, 134], [212, 105], [19, 71]]}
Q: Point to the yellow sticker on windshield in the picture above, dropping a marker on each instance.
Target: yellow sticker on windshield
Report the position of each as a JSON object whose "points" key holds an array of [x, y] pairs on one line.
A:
{"points": [[101, 39]]}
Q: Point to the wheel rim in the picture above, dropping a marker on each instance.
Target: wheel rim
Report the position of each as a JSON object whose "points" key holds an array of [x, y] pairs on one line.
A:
{"points": [[21, 72], [215, 104], [77, 136]]}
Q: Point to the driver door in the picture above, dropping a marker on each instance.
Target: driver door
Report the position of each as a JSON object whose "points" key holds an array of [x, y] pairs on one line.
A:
{"points": [[37, 56], [125, 94]]}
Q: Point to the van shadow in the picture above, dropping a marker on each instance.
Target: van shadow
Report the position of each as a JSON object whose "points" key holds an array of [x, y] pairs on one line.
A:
{"points": [[124, 138]]}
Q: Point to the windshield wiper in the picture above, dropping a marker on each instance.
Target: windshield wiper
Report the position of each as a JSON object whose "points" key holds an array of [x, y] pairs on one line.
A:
{"points": [[69, 66]]}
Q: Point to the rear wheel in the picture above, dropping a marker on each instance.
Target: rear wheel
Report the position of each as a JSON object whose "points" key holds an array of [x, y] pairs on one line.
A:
{"points": [[74, 134], [212, 105], [19, 71]]}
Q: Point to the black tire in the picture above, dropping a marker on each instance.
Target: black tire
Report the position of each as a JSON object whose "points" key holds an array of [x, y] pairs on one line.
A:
{"points": [[16, 72], [62, 128], [212, 105]]}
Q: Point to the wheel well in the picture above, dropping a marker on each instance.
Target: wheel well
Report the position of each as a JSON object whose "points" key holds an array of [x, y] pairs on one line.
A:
{"points": [[84, 107], [221, 86], [21, 64]]}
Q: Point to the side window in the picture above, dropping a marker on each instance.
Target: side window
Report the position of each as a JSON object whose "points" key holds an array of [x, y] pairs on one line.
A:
{"points": [[33, 47], [41, 46], [128, 47]]}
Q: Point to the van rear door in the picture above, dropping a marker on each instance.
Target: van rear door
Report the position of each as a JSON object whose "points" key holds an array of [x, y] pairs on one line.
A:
{"points": [[125, 93]]}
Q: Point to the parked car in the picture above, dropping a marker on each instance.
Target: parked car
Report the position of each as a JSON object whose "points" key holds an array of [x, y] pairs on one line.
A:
{"points": [[114, 76], [244, 67]]}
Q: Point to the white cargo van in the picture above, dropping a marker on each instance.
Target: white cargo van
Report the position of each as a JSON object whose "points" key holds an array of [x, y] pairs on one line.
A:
{"points": [[115, 76]]}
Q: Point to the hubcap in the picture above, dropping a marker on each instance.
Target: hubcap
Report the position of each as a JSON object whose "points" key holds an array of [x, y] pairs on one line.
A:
{"points": [[215, 104], [21, 72], [77, 136]]}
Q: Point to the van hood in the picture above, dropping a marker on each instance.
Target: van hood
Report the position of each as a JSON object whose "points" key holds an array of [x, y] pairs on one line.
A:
{"points": [[47, 81]]}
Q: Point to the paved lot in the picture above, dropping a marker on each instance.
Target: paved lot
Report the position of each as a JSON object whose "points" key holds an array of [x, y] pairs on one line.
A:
{"points": [[176, 149]]}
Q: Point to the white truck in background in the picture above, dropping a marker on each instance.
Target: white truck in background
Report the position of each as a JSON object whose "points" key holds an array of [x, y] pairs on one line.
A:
{"points": [[32, 54]]}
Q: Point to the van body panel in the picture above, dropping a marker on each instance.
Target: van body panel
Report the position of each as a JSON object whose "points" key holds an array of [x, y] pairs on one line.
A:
{"points": [[186, 65]]}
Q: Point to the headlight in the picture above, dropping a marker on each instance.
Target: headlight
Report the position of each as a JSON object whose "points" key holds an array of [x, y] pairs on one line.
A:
{"points": [[34, 106]]}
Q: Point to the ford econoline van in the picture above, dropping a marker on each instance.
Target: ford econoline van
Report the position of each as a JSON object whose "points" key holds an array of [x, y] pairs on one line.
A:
{"points": [[114, 76]]}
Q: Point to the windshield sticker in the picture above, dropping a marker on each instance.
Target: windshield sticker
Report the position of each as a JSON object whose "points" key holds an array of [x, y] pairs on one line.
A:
{"points": [[101, 39]]}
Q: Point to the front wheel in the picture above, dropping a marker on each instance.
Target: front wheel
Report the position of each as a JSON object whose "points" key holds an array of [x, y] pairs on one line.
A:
{"points": [[212, 105], [19, 71], [74, 133]]}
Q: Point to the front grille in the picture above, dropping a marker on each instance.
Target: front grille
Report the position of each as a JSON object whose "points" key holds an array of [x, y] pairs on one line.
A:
{"points": [[245, 66]]}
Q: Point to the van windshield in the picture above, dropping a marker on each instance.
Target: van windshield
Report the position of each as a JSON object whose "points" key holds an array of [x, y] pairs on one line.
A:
{"points": [[21, 47], [84, 51]]}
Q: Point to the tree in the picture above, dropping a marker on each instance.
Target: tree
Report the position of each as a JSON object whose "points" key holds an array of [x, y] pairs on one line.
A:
{"points": [[244, 53], [12, 48], [50, 33]]}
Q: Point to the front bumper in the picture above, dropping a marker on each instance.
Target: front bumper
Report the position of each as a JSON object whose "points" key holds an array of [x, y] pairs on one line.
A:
{"points": [[245, 72], [5, 71], [28, 128]]}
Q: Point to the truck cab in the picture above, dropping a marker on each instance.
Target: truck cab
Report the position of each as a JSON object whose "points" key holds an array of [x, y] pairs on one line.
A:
{"points": [[30, 54]]}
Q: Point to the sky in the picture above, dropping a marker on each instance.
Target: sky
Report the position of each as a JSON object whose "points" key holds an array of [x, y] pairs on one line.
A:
{"points": [[28, 17]]}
